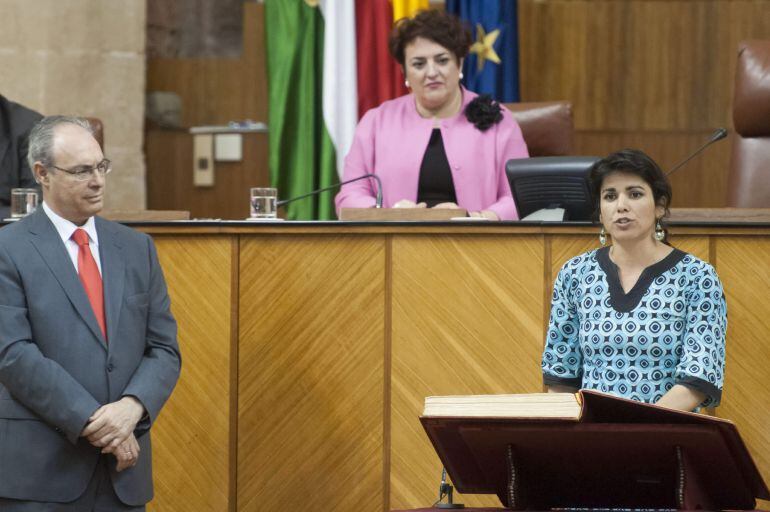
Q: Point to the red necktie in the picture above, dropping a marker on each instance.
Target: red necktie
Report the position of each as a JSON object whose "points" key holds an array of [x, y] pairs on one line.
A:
{"points": [[90, 277]]}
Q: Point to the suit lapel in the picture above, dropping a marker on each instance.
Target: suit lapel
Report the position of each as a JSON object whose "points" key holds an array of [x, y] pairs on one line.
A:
{"points": [[113, 275], [51, 248], [5, 140], [3, 148]]}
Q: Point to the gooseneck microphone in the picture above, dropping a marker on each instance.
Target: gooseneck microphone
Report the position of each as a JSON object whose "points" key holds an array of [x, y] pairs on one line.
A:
{"points": [[445, 490], [719, 134], [378, 198]]}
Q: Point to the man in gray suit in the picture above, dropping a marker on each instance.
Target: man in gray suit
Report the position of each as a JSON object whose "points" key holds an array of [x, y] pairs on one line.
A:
{"points": [[88, 349]]}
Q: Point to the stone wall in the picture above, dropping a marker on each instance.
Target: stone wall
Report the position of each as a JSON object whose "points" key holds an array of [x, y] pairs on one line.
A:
{"points": [[195, 28], [83, 57]]}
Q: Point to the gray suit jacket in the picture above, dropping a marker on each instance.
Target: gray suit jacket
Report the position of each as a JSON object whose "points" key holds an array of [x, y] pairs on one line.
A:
{"points": [[56, 369]]}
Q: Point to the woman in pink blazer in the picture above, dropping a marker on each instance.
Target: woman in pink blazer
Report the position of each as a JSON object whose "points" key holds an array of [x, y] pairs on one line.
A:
{"points": [[441, 146]]}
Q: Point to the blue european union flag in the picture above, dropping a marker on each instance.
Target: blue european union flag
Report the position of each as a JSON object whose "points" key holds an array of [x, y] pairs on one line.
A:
{"points": [[492, 67]]}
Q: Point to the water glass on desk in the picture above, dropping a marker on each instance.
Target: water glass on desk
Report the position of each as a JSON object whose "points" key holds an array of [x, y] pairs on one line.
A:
{"points": [[23, 202], [263, 203]]}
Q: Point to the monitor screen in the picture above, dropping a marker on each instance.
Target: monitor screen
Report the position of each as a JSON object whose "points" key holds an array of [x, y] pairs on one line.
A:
{"points": [[552, 182]]}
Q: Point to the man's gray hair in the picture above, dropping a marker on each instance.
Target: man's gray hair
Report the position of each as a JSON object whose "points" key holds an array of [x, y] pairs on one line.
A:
{"points": [[41, 138]]}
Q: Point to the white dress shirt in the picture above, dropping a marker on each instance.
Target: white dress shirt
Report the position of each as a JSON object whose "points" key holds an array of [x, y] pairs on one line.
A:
{"points": [[66, 228]]}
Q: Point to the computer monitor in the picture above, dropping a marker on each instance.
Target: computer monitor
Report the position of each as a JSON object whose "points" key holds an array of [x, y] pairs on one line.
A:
{"points": [[547, 182]]}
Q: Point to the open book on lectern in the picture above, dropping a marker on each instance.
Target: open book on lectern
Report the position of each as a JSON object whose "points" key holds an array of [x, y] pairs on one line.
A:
{"points": [[591, 450]]}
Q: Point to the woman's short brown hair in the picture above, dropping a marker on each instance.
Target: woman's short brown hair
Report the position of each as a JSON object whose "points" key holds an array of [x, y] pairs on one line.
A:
{"points": [[435, 25]]}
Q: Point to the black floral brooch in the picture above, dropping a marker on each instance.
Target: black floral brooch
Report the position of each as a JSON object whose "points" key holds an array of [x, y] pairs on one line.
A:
{"points": [[483, 112]]}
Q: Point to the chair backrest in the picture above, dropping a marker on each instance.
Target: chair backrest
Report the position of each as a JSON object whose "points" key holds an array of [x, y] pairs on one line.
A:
{"points": [[98, 129], [749, 181], [547, 127]]}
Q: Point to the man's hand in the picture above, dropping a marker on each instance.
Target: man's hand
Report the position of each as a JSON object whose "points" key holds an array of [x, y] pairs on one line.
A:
{"points": [[112, 424], [127, 453]]}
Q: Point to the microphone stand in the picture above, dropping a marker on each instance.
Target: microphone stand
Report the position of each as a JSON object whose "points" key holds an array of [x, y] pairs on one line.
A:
{"points": [[445, 489], [378, 198], [719, 134]]}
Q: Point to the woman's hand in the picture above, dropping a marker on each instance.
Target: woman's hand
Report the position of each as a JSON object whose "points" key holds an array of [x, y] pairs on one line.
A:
{"points": [[560, 388], [406, 203], [487, 214]]}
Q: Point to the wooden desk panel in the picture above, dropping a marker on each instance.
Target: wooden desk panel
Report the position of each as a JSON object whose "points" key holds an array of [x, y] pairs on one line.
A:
{"points": [[339, 331], [466, 319], [191, 439], [310, 408], [744, 268]]}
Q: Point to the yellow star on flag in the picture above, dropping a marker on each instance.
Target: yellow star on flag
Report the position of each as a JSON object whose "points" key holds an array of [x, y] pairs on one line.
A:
{"points": [[484, 46]]}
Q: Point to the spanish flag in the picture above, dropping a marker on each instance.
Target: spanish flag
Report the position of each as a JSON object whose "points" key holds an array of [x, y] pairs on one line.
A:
{"points": [[327, 64]]}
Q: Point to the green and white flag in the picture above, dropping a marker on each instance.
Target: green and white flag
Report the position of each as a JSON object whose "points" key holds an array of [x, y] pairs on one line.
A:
{"points": [[313, 100]]}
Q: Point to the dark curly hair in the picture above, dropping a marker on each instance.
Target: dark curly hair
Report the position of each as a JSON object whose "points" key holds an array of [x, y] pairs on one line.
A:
{"points": [[636, 162], [437, 26]]}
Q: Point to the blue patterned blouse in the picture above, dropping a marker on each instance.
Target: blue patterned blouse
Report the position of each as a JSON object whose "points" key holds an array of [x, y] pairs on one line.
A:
{"points": [[669, 329]]}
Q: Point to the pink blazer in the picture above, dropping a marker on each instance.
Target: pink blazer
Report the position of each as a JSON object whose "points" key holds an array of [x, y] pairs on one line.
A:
{"points": [[390, 141]]}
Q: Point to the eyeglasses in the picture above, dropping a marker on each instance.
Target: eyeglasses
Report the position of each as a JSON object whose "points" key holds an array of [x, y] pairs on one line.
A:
{"points": [[85, 172]]}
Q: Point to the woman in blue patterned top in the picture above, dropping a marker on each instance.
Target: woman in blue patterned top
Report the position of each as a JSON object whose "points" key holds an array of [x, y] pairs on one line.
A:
{"points": [[637, 319]]}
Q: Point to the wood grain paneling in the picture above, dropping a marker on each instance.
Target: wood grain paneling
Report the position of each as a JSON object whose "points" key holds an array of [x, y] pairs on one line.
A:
{"points": [[700, 183], [637, 65], [341, 332], [216, 91], [310, 431], [744, 269], [191, 437], [467, 319], [698, 246], [170, 176], [650, 74]]}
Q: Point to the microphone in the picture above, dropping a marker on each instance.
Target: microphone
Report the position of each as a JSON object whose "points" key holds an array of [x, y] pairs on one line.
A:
{"points": [[378, 198], [445, 490], [719, 134]]}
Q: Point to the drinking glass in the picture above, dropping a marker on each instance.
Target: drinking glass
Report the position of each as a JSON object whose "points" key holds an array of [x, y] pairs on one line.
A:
{"points": [[23, 202], [263, 203]]}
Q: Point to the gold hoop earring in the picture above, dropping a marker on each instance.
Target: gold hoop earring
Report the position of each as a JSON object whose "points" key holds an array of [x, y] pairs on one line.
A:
{"points": [[603, 236], [660, 234]]}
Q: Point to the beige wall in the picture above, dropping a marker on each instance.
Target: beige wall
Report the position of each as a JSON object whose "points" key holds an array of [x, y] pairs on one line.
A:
{"points": [[83, 57]]}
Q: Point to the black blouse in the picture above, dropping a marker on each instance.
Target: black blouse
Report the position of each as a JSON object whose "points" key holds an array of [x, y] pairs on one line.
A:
{"points": [[435, 185]]}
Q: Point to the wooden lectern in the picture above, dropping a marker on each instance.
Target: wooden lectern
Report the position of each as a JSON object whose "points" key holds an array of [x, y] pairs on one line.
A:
{"points": [[619, 454]]}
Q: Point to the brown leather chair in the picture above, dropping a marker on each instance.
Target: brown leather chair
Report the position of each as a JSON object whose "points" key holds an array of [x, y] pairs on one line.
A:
{"points": [[749, 181], [547, 127], [98, 129]]}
